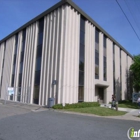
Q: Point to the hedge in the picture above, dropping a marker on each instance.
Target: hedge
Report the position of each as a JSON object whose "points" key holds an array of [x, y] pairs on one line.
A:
{"points": [[77, 105]]}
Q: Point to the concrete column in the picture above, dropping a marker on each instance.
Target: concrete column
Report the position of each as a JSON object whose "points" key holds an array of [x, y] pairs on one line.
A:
{"points": [[117, 72], [7, 70], [123, 74], [17, 68], [89, 73], [1, 61], [109, 90]]}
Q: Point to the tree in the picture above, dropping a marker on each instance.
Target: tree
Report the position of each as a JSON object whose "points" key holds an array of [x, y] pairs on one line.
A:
{"points": [[135, 72]]}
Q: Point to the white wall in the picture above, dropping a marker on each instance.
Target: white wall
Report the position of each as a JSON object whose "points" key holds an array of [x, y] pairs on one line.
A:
{"points": [[123, 74], [60, 57], [7, 71], [29, 63], [117, 73], [1, 61], [109, 90], [89, 73]]}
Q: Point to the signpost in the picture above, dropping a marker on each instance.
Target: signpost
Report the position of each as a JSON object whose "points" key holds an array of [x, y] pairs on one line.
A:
{"points": [[10, 90]]}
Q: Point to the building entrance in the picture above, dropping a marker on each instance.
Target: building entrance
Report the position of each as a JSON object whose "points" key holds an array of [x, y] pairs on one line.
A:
{"points": [[100, 94]]}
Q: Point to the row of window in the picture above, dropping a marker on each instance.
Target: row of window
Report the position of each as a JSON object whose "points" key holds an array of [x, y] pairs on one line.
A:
{"points": [[14, 61], [81, 59], [38, 62]]}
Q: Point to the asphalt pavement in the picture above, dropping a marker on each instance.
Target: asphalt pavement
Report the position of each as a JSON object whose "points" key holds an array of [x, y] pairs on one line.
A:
{"points": [[18, 122]]}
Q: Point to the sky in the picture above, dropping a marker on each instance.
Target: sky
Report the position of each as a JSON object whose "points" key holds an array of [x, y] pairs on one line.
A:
{"points": [[107, 13]]}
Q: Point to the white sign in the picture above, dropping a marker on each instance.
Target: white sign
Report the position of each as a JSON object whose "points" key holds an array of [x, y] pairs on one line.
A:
{"points": [[135, 96], [10, 90]]}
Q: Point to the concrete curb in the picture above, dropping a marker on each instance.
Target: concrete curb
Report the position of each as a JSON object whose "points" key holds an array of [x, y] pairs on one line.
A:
{"points": [[122, 117]]}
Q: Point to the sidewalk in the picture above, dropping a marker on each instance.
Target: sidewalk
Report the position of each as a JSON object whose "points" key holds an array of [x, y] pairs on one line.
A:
{"points": [[131, 115], [30, 107]]}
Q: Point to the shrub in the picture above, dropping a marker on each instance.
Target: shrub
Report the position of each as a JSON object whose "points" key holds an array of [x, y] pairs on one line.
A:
{"points": [[77, 105], [125, 101]]}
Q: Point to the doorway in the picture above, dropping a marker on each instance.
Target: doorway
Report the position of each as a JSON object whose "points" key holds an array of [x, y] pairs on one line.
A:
{"points": [[100, 94]]}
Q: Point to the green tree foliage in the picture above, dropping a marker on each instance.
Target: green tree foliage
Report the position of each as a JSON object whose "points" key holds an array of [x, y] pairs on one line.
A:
{"points": [[135, 71]]}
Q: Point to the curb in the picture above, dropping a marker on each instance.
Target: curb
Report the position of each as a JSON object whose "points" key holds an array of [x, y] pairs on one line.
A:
{"points": [[122, 117]]}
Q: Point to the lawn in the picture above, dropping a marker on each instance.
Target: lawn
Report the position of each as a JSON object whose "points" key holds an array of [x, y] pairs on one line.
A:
{"points": [[128, 104], [101, 111]]}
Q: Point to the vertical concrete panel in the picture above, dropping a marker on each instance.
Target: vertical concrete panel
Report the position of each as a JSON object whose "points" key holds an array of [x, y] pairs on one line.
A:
{"points": [[2, 47], [56, 62], [77, 44], [123, 75], [109, 90], [1, 61], [65, 86], [46, 39], [48, 84], [72, 57], [34, 50], [129, 82], [70, 45], [52, 53], [7, 70], [89, 86], [63, 19], [117, 72], [29, 63]]}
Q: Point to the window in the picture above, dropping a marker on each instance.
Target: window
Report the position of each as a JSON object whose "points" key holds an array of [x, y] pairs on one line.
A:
{"points": [[81, 60], [96, 54], [104, 60], [37, 77], [38, 61], [97, 36], [81, 78]]}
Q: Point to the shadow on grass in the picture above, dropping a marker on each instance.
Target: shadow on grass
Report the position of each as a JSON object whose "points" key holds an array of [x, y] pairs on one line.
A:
{"points": [[128, 104]]}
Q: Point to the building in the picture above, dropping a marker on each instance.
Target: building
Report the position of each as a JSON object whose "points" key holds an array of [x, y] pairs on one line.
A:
{"points": [[65, 54]]}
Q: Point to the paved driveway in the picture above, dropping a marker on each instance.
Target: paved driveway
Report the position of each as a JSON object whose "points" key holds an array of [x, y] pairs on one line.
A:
{"points": [[18, 123]]}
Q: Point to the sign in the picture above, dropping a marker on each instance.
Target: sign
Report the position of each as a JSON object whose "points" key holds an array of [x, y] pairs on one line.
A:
{"points": [[10, 90], [132, 133], [135, 96], [54, 82]]}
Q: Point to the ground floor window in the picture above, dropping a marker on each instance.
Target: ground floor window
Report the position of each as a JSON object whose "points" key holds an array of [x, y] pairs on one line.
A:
{"points": [[81, 94], [36, 94]]}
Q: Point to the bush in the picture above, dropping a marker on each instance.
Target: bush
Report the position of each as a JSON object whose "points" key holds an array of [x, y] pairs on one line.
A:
{"points": [[77, 105], [125, 101]]}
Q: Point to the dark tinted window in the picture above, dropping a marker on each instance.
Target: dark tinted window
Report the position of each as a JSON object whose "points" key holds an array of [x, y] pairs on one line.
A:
{"points": [[81, 78], [39, 51], [97, 35], [38, 63], [37, 77]]}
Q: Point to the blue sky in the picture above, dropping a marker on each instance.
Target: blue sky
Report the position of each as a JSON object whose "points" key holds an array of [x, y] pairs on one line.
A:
{"points": [[15, 13]]}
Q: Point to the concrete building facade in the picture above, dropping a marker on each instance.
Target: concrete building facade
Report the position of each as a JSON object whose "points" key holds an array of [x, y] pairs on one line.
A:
{"points": [[63, 54]]}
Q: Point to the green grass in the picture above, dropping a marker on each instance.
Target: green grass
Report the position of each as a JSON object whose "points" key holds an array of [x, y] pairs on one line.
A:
{"points": [[101, 111], [128, 104]]}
